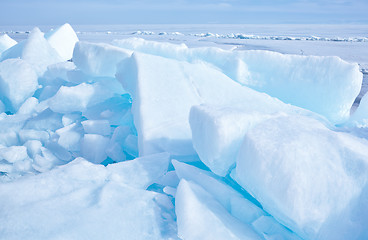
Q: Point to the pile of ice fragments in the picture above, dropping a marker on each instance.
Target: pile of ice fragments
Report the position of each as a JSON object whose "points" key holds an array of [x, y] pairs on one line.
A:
{"points": [[149, 140]]}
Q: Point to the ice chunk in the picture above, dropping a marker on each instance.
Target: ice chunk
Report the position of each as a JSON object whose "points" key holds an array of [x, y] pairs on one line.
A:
{"points": [[233, 201], [101, 127], [305, 175], [115, 109], [33, 147], [35, 50], [141, 172], [57, 74], [164, 49], [131, 145], [326, 85], [78, 98], [45, 161], [70, 137], [94, 147], [115, 152], [218, 132], [221, 191], [8, 138], [200, 216], [29, 106], [13, 154], [31, 134], [47, 120], [6, 42], [244, 210], [76, 201], [98, 59], [63, 40], [170, 179], [164, 90], [115, 149], [18, 81]]}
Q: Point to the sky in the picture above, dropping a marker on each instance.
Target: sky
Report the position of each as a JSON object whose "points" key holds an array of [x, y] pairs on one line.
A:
{"points": [[48, 12]]}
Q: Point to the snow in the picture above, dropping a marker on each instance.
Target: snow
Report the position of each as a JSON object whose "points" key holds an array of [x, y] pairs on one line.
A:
{"points": [[168, 136]]}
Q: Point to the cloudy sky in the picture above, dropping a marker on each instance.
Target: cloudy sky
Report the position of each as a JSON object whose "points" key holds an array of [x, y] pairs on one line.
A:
{"points": [[45, 12]]}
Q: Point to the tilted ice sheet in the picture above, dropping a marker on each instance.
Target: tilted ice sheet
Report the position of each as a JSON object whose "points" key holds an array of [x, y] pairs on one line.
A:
{"points": [[218, 131], [63, 40], [163, 91], [6, 42], [200, 216], [326, 85], [310, 178]]}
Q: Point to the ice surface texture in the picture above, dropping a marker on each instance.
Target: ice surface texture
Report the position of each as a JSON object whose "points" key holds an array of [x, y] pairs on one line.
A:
{"points": [[148, 140], [326, 85]]}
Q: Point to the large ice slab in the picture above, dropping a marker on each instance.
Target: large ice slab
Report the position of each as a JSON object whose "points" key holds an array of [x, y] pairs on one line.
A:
{"points": [[63, 40], [163, 91], [200, 216], [308, 177], [326, 85], [79, 201], [6, 42], [18, 81], [98, 59], [35, 50], [218, 132]]}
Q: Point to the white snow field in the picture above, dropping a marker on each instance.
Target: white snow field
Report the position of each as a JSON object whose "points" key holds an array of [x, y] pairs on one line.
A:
{"points": [[174, 132]]}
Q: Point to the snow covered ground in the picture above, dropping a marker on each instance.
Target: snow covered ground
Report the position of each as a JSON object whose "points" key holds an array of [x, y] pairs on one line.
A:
{"points": [[184, 132]]}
